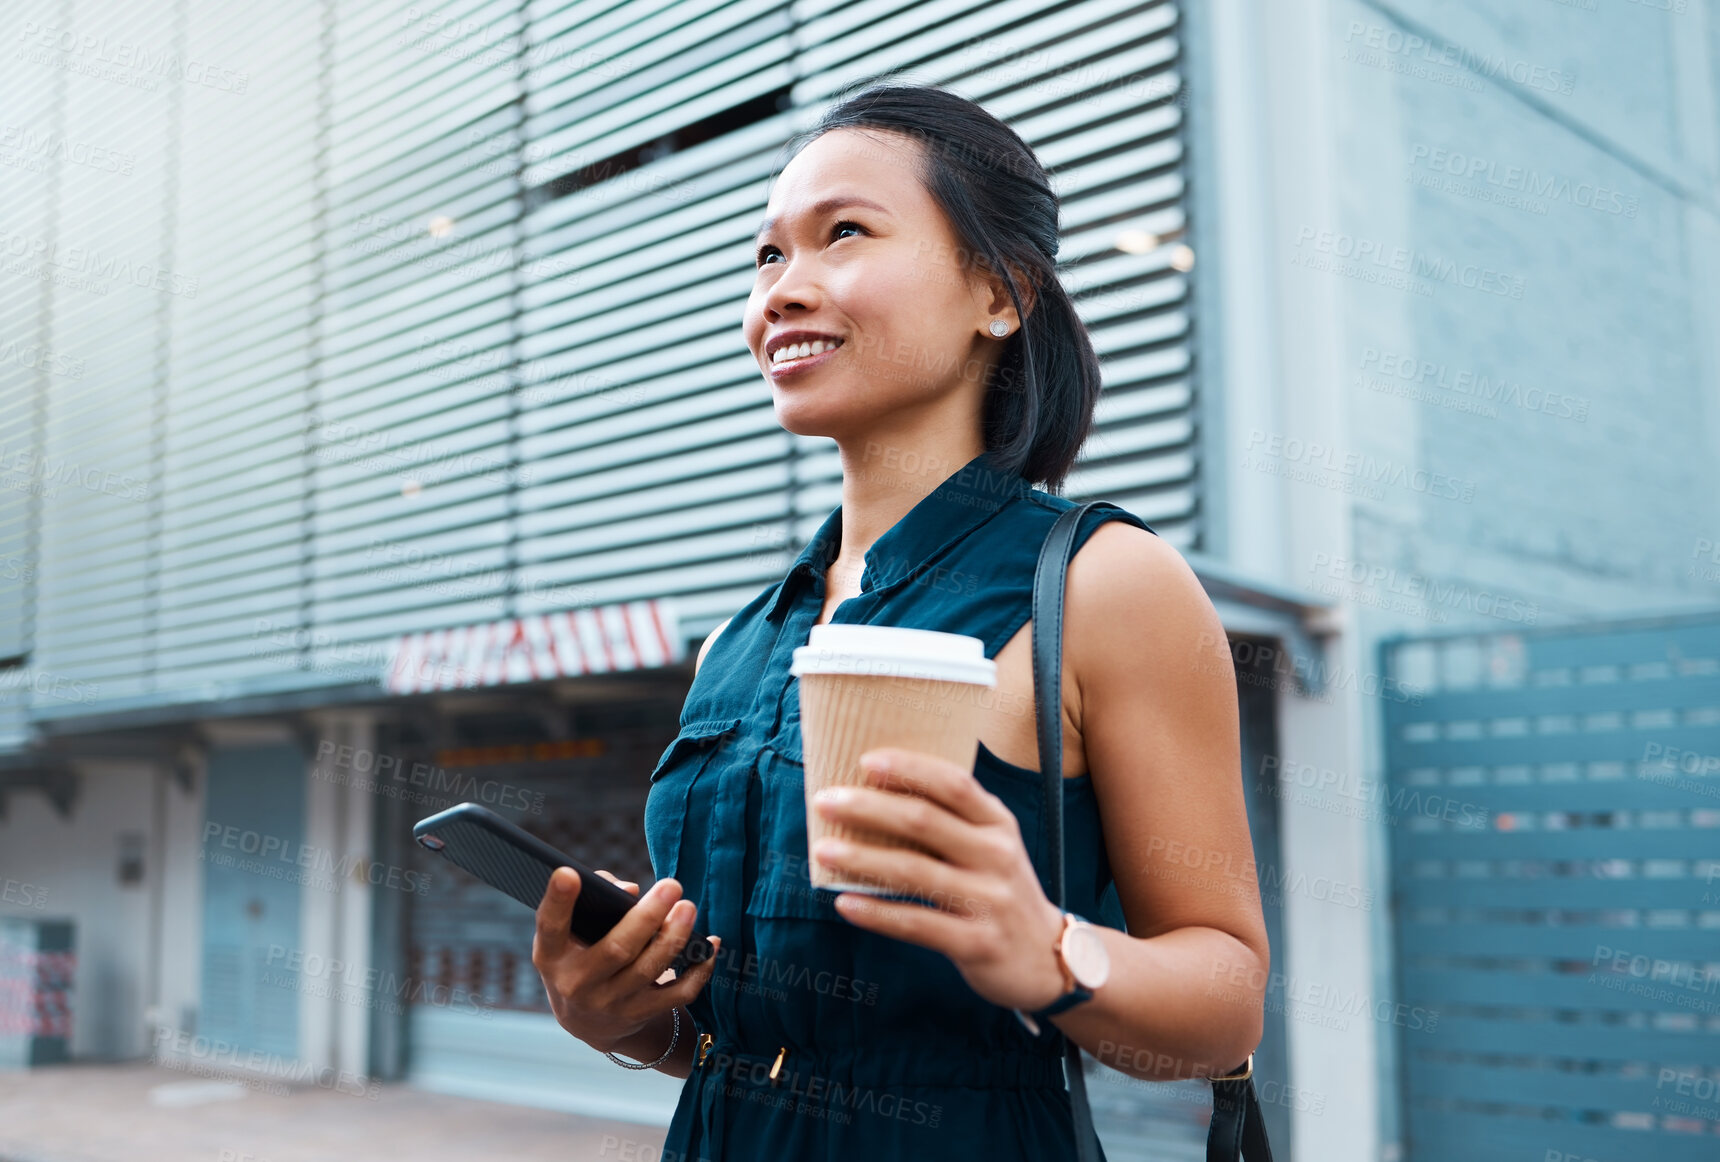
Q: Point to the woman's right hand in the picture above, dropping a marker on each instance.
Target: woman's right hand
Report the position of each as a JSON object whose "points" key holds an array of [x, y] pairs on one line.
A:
{"points": [[608, 991]]}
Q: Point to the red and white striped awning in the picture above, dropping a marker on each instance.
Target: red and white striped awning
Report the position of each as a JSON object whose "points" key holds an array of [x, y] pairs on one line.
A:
{"points": [[599, 639]]}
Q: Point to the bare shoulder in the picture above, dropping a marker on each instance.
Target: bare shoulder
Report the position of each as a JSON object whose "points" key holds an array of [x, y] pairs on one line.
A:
{"points": [[706, 647], [1133, 599]]}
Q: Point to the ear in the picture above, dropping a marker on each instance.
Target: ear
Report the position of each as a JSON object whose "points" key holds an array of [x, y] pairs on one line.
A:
{"points": [[1001, 306]]}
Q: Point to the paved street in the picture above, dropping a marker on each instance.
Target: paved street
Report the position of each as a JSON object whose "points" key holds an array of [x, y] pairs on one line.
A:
{"points": [[144, 1113]]}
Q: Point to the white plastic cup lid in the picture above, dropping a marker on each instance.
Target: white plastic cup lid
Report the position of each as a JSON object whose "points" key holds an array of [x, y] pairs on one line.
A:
{"points": [[894, 652]]}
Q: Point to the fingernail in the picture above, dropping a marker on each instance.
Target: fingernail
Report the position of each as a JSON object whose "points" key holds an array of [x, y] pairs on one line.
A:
{"points": [[831, 850], [835, 795]]}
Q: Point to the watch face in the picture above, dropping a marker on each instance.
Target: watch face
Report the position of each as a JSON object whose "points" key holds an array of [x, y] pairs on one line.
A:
{"points": [[1084, 952]]}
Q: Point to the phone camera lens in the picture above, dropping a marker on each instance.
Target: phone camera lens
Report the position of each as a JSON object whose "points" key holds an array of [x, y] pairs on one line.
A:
{"points": [[430, 841]]}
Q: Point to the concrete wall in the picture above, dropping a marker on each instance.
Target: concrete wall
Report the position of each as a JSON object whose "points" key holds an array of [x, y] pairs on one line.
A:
{"points": [[1587, 147], [74, 865]]}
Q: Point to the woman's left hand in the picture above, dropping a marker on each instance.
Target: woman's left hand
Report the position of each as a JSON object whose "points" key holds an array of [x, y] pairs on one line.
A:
{"points": [[989, 914]]}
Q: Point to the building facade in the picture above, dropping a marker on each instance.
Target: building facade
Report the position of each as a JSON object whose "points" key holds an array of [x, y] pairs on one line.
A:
{"points": [[349, 473]]}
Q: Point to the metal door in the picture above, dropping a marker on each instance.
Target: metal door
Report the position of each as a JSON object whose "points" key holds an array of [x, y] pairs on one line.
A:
{"points": [[254, 859], [1556, 855]]}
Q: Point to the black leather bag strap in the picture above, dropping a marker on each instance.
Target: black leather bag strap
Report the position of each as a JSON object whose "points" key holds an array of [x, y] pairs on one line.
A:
{"points": [[1048, 701], [1237, 1129]]}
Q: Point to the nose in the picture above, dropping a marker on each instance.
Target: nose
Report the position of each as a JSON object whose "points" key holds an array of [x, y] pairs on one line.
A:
{"points": [[795, 289]]}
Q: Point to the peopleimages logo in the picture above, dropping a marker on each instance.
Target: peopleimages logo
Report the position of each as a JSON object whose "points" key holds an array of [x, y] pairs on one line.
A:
{"points": [[1361, 253], [1396, 43], [1417, 587], [101, 268], [1527, 181], [1355, 466], [27, 145], [105, 50], [276, 854], [36, 357], [1407, 369]]}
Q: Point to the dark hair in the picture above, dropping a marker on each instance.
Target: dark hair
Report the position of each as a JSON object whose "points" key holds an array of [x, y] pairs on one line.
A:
{"points": [[1038, 409]]}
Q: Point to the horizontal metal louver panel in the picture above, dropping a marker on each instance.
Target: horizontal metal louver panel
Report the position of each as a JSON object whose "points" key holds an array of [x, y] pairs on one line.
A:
{"points": [[607, 78], [114, 279], [230, 548], [32, 148], [411, 443], [1091, 90], [700, 412], [1115, 167], [465, 339]]}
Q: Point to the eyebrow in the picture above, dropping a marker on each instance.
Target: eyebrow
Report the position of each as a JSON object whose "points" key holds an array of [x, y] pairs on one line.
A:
{"points": [[825, 206]]}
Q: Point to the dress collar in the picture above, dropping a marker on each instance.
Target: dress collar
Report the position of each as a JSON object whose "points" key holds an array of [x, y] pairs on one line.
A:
{"points": [[965, 500]]}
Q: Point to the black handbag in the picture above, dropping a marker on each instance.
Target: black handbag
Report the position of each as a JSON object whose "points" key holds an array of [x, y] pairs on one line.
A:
{"points": [[1237, 1129]]}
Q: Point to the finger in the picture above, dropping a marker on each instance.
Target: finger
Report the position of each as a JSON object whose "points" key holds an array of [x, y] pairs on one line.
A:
{"points": [[625, 885], [900, 872], [555, 917], [920, 820], [622, 944], [926, 927], [916, 773], [666, 945], [686, 987]]}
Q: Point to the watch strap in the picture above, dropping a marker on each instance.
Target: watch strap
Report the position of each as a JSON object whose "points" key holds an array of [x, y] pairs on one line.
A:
{"points": [[1065, 1002]]}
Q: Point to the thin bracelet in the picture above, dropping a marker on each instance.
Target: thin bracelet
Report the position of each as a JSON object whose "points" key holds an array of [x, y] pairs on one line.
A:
{"points": [[673, 1038]]}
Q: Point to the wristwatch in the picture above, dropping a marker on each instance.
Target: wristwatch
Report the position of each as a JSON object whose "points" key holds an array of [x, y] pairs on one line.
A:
{"points": [[1085, 963]]}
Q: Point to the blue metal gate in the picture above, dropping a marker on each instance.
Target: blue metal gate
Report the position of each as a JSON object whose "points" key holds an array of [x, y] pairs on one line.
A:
{"points": [[1554, 800], [252, 857]]}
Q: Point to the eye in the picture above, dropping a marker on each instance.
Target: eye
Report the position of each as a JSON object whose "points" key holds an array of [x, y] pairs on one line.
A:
{"points": [[768, 249]]}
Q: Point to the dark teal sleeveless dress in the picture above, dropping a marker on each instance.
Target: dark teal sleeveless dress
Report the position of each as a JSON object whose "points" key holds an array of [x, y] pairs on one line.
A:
{"points": [[828, 1042]]}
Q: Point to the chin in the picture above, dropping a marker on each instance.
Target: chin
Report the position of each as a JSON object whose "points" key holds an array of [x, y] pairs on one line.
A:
{"points": [[833, 416], [805, 422]]}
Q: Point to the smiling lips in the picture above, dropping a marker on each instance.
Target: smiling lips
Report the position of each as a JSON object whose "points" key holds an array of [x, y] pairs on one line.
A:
{"points": [[789, 352], [800, 352]]}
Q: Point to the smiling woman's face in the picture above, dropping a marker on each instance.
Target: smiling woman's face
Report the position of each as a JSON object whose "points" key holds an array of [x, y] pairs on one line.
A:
{"points": [[854, 248]]}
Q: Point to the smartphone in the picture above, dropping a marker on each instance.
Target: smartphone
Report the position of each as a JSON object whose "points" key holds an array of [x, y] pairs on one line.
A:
{"points": [[520, 864]]}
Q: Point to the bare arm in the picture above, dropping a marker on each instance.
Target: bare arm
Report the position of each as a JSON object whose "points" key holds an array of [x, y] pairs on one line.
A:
{"points": [[1156, 704]]}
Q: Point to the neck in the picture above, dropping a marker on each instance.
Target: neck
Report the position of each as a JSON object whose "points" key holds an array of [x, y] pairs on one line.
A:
{"points": [[882, 478]]}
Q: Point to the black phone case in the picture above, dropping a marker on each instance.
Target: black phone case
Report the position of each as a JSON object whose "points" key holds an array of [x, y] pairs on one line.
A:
{"points": [[520, 864]]}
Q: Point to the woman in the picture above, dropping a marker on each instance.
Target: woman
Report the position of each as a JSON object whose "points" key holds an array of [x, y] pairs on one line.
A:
{"points": [[906, 304]]}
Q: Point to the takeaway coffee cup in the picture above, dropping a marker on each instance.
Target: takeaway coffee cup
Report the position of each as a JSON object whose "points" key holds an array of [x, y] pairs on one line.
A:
{"points": [[866, 686]]}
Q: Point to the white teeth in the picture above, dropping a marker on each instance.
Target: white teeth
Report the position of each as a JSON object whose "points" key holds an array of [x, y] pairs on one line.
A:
{"points": [[800, 350]]}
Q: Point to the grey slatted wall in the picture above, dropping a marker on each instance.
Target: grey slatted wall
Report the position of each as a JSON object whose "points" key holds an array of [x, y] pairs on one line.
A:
{"points": [[92, 608], [465, 337], [1095, 89], [652, 435], [31, 99], [412, 416], [92, 96], [233, 489]]}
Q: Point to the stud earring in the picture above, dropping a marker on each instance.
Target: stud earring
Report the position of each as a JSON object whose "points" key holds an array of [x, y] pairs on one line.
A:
{"points": [[999, 328]]}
